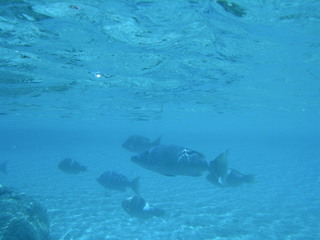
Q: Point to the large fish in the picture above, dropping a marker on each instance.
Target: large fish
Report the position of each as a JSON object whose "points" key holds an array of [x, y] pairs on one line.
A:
{"points": [[138, 144], [172, 160], [116, 181]]}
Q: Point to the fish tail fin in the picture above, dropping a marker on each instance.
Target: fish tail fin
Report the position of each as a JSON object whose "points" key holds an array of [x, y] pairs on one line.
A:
{"points": [[249, 178], [135, 185], [3, 167], [157, 141], [219, 166]]}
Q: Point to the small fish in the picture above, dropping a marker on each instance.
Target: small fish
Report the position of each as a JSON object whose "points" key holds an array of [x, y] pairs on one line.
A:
{"points": [[3, 167], [222, 176], [137, 207], [172, 160], [116, 181], [233, 178], [71, 166], [138, 144]]}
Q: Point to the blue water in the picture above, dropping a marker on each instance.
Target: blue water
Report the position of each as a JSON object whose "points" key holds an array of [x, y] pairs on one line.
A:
{"points": [[77, 78]]}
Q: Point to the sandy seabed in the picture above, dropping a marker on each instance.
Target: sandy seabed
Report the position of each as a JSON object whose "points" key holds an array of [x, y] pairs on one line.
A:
{"points": [[282, 204]]}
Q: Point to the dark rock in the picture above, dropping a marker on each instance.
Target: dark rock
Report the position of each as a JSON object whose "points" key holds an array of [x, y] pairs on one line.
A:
{"points": [[21, 217]]}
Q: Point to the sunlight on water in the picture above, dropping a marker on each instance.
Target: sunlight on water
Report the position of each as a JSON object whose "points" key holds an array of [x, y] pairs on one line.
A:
{"points": [[203, 55]]}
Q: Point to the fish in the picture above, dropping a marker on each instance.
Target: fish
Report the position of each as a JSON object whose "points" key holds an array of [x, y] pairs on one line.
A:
{"points": [[223, 176], [138, 144], [136, 206], [3, 167], [70, 166], [112, 180], [233, 178], [172, 160]]}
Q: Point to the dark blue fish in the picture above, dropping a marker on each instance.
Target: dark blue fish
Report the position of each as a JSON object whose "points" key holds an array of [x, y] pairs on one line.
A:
{"points": [[137, 207], [115, 181], [172, 160], [71, 166], [3, 167], [138, 144]]}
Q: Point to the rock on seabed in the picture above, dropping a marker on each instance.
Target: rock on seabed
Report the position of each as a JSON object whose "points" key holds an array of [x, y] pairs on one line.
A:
{"points": [[21, 218]]}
